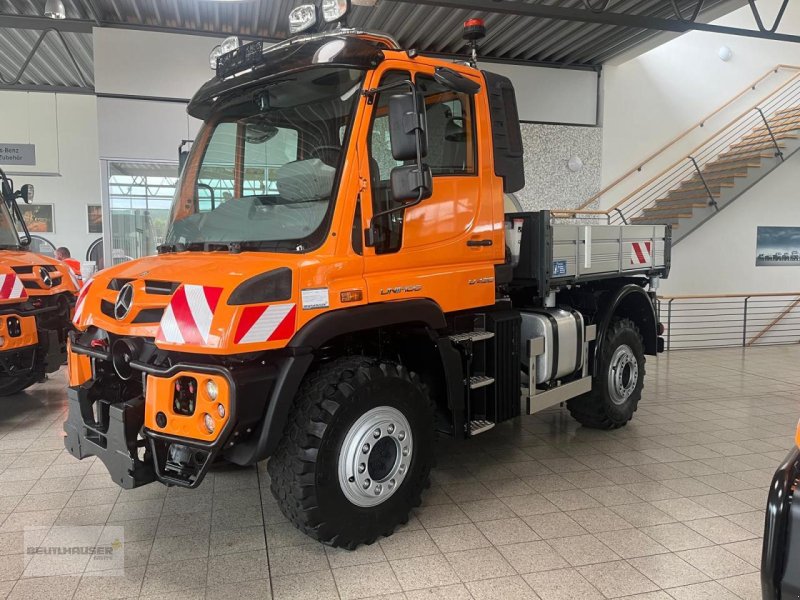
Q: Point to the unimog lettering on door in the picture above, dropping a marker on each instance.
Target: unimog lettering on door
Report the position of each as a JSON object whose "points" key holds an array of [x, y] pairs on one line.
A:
{"points": [[338, 160]]}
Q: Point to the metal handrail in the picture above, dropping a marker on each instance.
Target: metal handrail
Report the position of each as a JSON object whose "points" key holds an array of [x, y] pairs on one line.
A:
{"points": [[730, 320], [698, 125]]}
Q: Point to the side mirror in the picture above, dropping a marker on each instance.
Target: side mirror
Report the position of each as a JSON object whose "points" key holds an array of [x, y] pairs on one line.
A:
{"points": [[408, 125], [408, 183], [456, 81], [26, 193]]}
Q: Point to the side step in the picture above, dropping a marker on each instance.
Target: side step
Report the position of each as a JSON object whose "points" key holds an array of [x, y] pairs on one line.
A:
{"points": [[479, 381], [471, 336], [476, 427]]}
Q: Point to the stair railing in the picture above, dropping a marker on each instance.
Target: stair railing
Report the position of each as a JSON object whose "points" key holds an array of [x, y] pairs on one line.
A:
{"points": [[691, 165]]}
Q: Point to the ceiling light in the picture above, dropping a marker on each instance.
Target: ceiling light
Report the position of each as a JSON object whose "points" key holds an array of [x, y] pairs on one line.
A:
{"points": [[55, 9]]}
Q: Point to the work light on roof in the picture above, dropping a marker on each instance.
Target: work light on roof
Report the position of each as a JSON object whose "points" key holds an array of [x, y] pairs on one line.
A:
{"points": [[333, 10], [229, 44], [215, 54], [302, 18]]}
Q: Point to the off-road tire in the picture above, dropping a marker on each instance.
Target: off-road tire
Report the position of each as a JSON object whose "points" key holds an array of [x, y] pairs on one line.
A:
{"points": [[14, 385], [596, 409], [304, 469]]}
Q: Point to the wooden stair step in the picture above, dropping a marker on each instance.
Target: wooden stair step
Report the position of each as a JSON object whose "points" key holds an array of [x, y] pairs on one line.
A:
{"points": [[750, 150], [692, 194], [667, 216], [764, 136], [713, 176], [752, 160], [696, 184], [673, 209], [783, 120], [789, 111]]}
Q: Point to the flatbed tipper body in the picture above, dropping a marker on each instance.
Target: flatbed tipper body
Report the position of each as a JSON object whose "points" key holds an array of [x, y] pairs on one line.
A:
{"points": [[370, 290]]}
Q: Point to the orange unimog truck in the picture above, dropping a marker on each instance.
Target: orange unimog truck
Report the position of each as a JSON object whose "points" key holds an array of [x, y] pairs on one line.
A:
{"points": [[780, 556], [340, 282], [37, 294]]}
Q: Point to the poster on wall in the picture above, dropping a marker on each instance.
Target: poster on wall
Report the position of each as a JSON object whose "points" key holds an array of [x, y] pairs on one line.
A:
{"points": [[94, 218], [38, 217], [778, 247]]}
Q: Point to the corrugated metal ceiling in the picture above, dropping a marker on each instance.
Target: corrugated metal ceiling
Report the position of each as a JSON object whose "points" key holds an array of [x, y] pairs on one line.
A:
{"points": [[426, 28]]}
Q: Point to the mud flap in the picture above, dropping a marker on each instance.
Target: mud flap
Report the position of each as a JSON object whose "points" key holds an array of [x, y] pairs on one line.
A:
{"points": [[780, 562]]}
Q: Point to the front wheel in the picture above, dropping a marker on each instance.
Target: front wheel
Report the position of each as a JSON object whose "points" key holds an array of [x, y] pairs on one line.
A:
{"points": [[618, 382], [15, 384], [356, 453]]}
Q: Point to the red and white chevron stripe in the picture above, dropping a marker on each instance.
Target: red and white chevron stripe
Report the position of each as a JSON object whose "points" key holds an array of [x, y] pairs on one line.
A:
{"points": [[641, 253], [79, 303], [187, 318], [267, 323], [11, 287]]}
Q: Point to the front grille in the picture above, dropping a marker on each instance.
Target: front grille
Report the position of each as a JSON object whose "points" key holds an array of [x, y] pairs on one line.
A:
{"points": [[160, 288], [116, 284], [149, 315], [107, 308], [23, 270], [30, 284]]}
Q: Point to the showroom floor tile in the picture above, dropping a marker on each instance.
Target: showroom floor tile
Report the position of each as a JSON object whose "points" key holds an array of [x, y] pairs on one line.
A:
{"points": [[668, 508]]}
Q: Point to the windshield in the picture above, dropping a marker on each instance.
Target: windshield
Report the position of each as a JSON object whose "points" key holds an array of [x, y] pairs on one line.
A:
{"points": [[264, 175], [8, 229]]}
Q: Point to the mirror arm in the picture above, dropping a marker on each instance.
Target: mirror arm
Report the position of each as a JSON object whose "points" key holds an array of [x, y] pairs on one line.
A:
{"points": [[27, 239]]}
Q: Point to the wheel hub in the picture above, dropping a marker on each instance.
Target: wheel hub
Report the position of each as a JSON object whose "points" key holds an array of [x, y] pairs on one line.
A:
{"points": [[375, 456], [623, 374]]}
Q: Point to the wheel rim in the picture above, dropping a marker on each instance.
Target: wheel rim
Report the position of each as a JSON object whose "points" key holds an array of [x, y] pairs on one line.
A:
{"points": [[375, 456], [623, 374]]}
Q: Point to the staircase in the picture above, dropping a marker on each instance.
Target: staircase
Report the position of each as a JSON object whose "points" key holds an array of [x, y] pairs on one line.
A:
{"points": [[722, 180], [719, 170]]}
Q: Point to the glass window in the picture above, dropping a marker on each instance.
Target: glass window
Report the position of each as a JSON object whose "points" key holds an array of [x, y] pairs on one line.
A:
{"points": [[266, 178], [381, 162], [451, 130]]}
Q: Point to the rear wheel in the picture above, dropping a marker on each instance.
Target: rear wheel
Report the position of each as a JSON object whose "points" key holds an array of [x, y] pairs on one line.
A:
{"points": [[618, 383], [356, 453]]}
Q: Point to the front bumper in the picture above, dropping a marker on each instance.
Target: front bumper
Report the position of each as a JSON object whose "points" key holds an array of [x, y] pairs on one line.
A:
{"points": [[125, 436], [26, 349], [780, 560]]}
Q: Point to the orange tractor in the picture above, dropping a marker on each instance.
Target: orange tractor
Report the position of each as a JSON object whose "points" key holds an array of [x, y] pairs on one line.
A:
{"points": [[37, 294], [340, 283]]}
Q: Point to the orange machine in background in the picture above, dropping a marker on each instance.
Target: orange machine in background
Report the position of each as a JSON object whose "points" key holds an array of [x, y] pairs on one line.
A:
{"points": [[37, 295]]}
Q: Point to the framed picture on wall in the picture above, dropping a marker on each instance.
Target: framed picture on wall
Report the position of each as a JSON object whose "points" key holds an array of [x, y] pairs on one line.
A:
{"points": [[38, 217], [778, 247], [94, 218]]}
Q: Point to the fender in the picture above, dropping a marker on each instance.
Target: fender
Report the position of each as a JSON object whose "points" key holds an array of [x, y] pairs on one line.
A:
{"points": [[633, 302], [313, 336]]}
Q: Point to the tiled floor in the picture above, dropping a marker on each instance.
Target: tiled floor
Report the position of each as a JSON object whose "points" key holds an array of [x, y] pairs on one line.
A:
{"points": [[670, 506]]}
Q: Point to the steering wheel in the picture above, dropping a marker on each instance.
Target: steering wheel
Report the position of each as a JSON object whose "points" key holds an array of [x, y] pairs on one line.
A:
{"points": [[327, 151]]}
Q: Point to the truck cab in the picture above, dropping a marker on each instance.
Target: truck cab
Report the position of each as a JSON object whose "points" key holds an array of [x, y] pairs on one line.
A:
{"points": [[37, 294], [341, 282]]}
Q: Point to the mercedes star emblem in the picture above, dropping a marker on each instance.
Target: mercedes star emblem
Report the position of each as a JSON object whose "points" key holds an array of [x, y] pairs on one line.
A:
{"points": [[45, 277], [124, 301]]}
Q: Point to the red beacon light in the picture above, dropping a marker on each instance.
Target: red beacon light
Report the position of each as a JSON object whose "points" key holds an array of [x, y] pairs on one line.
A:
{"points": [[474, 31]]}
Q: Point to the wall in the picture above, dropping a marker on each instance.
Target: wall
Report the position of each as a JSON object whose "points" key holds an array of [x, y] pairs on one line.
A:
{"points": [[720, 256], [651, 99], [67, 173], [549, 183]]}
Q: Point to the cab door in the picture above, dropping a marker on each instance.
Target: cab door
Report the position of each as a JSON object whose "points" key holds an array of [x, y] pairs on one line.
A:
{"points": [[444, 248]]}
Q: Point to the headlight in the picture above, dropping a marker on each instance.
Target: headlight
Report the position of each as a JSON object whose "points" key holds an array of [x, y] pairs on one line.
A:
{"points": [[215, 54], [333, 10], [221, 411], [208, 421], [212, 390], [303, 17], [229, 44]]}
